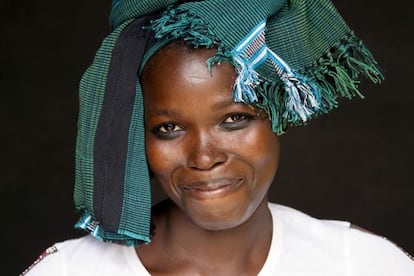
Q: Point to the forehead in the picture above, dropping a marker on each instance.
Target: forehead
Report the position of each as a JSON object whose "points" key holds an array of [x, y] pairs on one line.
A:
{"points": [[175, 54], [178, 64], [177, 77]]}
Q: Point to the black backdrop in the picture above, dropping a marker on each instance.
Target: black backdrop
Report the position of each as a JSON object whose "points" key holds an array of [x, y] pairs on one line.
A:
{"points": [[355, 164]]}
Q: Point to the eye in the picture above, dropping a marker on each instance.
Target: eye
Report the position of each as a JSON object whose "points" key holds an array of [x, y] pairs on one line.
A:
{"points": [[167, 130], [169, 127], [235, 117], [237, 121]]}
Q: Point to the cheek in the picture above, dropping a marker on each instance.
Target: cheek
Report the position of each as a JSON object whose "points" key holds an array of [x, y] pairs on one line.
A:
{"points": [[261, 147], [161, 157]]}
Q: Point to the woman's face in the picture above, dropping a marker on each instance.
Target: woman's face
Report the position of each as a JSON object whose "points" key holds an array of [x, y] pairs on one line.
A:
{"points": [[213, 157]]}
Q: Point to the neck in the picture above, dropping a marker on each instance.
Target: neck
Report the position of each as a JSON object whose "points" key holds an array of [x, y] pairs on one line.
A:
{"points": [[244, 247]]}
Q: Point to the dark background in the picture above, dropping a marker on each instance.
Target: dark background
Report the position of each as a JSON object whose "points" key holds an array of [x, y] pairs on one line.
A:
{"points": [[355, 164]]}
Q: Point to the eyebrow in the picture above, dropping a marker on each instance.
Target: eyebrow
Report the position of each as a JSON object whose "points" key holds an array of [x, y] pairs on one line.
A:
{"points": [[174, 112], [224, 103], [163, 112]]}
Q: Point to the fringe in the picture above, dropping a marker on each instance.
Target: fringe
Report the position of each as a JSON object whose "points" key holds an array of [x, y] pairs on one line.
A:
{"points": [[87, 223], [246, 81], [177, 23], [247, 77], [335, 75]]}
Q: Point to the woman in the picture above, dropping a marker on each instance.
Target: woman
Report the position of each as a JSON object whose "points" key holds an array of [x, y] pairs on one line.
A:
{"points": [[218, 82]]}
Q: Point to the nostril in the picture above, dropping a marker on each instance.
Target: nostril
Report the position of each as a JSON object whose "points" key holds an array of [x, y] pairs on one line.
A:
{"points": [[206, 159]]}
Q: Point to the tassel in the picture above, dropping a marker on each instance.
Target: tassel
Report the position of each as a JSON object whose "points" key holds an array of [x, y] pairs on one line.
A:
{"points": [[176, 23], [356, 57], [293, 100], [246, 81], [86, 222], [303, 98]]}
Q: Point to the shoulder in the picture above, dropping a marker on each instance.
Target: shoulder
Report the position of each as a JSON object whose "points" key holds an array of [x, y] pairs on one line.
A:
{"points": [[336, 242], [81, 256], [319, 244], [370, 253], [293, 218]]}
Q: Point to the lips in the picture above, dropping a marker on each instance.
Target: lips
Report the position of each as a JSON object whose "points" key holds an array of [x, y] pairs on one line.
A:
{"points": [[211, 189]]}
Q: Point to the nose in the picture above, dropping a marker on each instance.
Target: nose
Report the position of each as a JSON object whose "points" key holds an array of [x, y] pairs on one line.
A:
{"points": [[205, 152]]}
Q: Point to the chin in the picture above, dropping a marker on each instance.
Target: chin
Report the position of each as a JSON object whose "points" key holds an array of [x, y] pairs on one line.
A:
{"points": [[218, 216], [219, 225]]}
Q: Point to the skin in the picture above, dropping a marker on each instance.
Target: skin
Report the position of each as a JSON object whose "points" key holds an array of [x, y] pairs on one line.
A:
{"points": [[215, 159]]}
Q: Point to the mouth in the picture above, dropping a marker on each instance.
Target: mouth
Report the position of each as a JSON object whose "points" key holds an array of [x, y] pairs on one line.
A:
{"points": [[211, 189]]}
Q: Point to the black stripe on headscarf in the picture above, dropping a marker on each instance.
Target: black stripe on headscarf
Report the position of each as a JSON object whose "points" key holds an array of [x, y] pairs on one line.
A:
{"points": [[111, 140]]}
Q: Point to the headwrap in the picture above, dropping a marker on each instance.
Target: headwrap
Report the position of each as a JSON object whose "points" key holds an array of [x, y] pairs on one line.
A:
{"points": [[293, 59]]}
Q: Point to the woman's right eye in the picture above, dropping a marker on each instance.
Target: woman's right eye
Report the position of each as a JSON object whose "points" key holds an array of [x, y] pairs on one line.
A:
{"points": [[167, 130]]}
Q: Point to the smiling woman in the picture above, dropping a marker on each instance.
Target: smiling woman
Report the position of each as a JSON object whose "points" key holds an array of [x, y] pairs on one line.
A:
{"points": [[195, 94], [212, 159]]}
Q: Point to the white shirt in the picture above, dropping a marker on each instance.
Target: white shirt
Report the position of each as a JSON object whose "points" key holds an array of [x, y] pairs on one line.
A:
{"points": [[301, 245]]}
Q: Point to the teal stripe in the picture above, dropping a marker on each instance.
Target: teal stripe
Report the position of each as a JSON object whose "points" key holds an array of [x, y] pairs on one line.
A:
{"points": [[136, 211]]}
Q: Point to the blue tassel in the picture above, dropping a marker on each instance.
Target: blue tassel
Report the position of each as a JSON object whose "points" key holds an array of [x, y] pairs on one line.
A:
{"points": [[246, 81], [302, 100]]}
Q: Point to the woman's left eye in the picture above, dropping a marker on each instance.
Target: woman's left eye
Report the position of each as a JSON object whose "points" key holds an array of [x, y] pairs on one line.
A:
{"points": [[237, 121], [235, 118]]}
